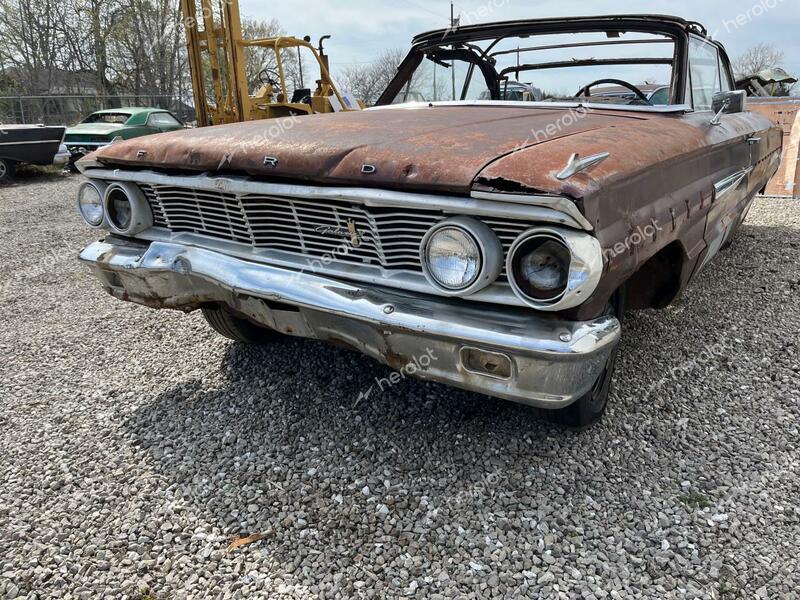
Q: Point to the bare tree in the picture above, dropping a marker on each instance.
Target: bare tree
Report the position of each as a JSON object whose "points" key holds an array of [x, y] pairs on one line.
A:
{"points": [[756, 59], [148, 48], [258, 59], [261, 63], [32, 44], [63, 44], [368, 81], [103, 48]]}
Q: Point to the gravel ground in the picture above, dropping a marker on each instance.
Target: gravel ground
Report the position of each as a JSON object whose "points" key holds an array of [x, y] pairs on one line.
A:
{"points": [[137, 444]]}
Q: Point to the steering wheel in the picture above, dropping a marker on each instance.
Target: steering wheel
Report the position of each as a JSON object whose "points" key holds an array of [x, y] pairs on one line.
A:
{"points": [[271, 75], [584, 91]]}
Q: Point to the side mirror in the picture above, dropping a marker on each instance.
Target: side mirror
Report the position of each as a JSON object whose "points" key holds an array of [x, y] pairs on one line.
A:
{"points": [[729, 103]]}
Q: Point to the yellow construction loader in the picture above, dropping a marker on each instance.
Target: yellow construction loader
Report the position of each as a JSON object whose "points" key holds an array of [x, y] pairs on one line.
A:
{"points": [[217, 61]]}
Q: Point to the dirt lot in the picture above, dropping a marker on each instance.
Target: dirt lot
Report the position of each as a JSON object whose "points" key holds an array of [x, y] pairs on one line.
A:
{"points": [[137, 444]]}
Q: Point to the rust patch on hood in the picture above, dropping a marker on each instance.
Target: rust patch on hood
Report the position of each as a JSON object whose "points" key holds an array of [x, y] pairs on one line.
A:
{"points": [[635, 146], [433, 148]]}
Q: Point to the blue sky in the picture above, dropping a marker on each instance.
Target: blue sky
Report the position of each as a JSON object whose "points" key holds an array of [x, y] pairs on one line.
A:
{"points": [[361, 29]]}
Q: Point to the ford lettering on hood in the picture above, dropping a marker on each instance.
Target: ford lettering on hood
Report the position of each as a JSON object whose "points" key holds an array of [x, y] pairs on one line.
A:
{"points": [[432, 147]]}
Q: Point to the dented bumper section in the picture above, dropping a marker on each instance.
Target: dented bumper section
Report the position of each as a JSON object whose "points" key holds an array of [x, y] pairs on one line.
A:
{"points": [[507, 352]]}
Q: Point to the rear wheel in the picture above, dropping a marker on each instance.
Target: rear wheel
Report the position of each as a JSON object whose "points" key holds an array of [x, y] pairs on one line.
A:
{"points": [[238, 329], [7, 170], [590, 408]]}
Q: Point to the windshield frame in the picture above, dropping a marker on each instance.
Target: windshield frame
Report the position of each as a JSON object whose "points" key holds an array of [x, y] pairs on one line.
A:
{"points": [[441, 44]]}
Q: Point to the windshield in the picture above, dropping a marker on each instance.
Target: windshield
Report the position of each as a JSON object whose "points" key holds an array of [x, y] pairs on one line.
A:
{"points": [[117, 118], [617, 68]]}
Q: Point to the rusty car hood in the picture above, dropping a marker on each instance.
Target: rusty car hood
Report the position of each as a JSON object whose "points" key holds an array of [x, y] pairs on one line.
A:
{"points": [[434, 148]]}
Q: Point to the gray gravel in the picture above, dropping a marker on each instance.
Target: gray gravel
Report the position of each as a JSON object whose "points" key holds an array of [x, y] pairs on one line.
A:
{"points": [[137, 444]]}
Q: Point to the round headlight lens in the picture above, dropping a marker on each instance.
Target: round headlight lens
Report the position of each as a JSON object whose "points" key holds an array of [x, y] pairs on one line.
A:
{"points": [[119, 209], [453, 258], [90, 203], [127, 209], [541, 267]]}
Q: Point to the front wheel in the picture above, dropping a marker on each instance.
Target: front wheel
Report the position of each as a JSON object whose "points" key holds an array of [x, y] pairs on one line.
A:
{"points": [[238, 329], [7, 170], [590, 408]]}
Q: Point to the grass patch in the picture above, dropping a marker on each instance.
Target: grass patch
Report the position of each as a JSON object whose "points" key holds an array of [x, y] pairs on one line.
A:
{"points": [[145, 594], [728, 589], [695, 500]]}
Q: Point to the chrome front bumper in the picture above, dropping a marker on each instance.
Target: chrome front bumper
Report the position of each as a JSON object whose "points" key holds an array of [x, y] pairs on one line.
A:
{"points": [[507, 352]]}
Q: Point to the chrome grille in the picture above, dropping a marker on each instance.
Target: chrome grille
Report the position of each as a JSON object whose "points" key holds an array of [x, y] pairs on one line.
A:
{"points": [[390, 237]]}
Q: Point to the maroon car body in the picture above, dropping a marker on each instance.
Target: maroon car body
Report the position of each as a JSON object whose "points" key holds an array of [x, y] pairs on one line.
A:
{"points": [[640, 196]]}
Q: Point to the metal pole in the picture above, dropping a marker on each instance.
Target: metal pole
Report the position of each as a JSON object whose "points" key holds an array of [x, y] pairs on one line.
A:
{"points": [[453, 62], [21, 111], [300, 64]]}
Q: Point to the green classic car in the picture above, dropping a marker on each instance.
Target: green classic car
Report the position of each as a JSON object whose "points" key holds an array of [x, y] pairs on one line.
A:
{"points": [[101, 127]]}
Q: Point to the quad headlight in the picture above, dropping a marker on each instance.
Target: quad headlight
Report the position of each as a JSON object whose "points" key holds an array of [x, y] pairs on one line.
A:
{"points": [[453, 258], [127, 210], [90, 203], [541, 267], [119, 206], [554, 269], [461, 256]]}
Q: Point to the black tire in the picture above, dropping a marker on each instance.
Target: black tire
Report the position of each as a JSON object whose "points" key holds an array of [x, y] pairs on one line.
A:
{"points": [[732, 237], [728, 243], [7, 170], [589, 409], [237, 329]]}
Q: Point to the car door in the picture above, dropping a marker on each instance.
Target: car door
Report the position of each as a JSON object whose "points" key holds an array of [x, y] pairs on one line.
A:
{"points": [[729, 137]]}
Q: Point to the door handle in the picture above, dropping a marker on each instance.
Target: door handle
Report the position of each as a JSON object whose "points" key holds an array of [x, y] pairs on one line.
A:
{"points": [[753, 140]]}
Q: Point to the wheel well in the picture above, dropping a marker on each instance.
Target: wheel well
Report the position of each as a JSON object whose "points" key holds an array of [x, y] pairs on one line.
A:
{"points": [[658, 281]]}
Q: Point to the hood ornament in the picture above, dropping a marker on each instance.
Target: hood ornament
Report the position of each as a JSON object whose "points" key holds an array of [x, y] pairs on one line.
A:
{"points": [[355, 236], [576, 164]]}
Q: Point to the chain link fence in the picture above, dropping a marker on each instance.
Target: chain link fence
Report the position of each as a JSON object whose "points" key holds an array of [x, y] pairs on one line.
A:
{"points": [[68, 110]]}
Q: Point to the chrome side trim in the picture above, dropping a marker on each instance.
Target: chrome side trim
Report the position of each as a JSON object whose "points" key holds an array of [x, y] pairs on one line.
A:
{"points": [[561, 204], [30, 143], [367, 196], [670, 109], [729, 184]]}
